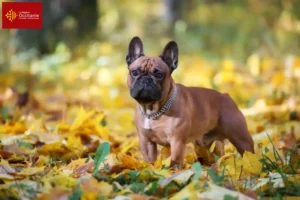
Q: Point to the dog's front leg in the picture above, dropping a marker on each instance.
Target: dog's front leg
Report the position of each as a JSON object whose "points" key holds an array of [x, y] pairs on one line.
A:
{"points": [[148, 149], [177, 153], [152, 151]]}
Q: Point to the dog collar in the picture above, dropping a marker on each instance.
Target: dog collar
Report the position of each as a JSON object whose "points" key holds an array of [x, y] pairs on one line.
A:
{"points": [[163, 109]]}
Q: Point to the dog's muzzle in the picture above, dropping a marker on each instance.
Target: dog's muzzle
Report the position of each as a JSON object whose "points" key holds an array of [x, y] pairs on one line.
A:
{"points": [[145, 90]]}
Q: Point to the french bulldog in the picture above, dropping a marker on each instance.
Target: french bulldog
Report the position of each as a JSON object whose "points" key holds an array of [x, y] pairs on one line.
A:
{"points": [[171, 114]]}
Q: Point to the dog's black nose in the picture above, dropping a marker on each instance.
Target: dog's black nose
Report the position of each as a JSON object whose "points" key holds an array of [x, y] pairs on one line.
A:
{"points": [[147, 80]]}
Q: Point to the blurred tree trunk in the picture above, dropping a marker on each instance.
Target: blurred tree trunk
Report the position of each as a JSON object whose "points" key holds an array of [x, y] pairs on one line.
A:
{"points": [[180, 9], [174, 12]]}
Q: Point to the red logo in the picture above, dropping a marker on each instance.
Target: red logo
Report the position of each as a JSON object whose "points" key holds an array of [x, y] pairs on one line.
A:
{"points": [[22, 15]]}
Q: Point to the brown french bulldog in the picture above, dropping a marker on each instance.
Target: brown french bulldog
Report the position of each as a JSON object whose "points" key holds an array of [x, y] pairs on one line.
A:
{"points": [[171, 114]]}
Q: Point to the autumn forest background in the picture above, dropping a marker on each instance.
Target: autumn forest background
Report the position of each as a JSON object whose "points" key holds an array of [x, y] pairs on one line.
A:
{"points": [[66, 116]]}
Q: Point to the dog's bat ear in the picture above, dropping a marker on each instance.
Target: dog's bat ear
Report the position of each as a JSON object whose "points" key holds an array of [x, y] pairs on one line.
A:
{"points": [[135, 50], [170, 55]]}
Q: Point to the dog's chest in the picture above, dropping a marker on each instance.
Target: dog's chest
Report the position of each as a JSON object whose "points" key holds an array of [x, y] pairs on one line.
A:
{"points": [[146, 124], [155, 131]]}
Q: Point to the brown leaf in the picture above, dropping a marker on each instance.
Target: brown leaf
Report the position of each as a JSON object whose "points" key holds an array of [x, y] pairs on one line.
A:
{"points": [[92, 185], [13, 148], [290, 140], [251, 193], [138, 197], [5, 154], [56, 194], [83, 169]]}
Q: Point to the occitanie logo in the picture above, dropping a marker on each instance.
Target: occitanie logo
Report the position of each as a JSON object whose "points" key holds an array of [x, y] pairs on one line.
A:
{"points": [[28, 15], [11, 15]]}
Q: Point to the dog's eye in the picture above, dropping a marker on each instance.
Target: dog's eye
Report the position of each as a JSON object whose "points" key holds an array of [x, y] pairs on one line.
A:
{"points": [[158, 75], [134, 73]]}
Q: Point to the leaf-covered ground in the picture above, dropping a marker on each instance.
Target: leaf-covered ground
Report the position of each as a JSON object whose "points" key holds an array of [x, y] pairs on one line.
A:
{"points": [[67, 131]]}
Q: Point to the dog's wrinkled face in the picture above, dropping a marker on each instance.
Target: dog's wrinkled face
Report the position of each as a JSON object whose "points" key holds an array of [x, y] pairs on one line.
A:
{"points": [[149, 78], [146, 79]]}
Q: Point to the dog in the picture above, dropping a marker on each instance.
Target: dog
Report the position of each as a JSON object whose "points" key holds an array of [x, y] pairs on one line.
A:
{"points": [[171, 114]]}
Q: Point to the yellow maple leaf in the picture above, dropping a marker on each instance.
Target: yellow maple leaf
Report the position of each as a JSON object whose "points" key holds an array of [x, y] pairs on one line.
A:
{"points": [[31, 170], [75, 145], [167, 161], [56, 178], [188, 192], [89, 196], [128, 162], [128, 144], [251, 163], [234, 167], [81, 117], [60, 150], [55, 148], [158, 162], [101, 131]]}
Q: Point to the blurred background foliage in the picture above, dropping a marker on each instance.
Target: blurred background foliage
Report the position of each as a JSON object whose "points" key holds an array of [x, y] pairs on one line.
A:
{"points": [[247, 48]]}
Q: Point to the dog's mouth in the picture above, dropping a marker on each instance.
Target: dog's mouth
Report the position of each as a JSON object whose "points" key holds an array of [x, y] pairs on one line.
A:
{"points": [[146, 96], [145, 90]]}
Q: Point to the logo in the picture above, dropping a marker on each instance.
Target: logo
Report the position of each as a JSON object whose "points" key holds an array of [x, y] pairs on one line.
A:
{"points": [[22, 15], [11, 15]]}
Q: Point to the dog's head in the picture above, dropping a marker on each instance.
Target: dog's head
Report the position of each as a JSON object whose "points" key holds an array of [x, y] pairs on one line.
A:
{"points": [[149, 78]]}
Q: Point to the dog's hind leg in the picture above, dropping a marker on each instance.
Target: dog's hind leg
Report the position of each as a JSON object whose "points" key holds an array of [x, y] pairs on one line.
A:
{"points": [[234, 126]]}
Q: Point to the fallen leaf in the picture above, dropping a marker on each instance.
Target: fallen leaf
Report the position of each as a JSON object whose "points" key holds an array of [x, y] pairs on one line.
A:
{"points": [[81, 117], [57, 179], [188, 192], [219, 193], [251, 163], [30, 171], [55, 194], [128, 162], [179, 177], [92, 185]]}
